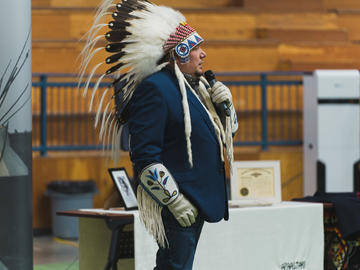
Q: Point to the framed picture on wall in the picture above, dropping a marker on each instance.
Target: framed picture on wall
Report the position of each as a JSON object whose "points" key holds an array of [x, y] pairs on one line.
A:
{"points": [[255, 183], [123, 185]]}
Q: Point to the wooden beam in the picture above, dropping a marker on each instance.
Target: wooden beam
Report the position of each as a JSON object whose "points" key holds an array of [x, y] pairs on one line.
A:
{"points": [[293, 20], [171, 3], [341, 4], [297, 65], [72, 24], [285, 5], [221, 56], [313, 35], [350, 21], [307, 57]]}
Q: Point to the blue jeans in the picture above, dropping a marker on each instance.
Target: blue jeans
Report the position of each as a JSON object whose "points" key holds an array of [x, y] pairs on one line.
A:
{"points": [[179, 254]]}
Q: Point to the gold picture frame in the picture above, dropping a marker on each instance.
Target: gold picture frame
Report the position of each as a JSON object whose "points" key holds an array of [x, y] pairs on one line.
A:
{"points": [[255, 183]]}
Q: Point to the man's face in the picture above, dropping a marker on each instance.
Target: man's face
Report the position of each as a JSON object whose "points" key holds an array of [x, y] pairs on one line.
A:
{"points": [[194, 65]]}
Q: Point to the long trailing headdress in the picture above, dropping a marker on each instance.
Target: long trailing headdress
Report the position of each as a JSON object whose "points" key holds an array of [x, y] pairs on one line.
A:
{"points": [[141, 34]]}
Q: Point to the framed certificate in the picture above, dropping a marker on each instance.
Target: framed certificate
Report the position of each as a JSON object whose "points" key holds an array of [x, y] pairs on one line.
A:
{"points": [[256, 182], [122, 183]]}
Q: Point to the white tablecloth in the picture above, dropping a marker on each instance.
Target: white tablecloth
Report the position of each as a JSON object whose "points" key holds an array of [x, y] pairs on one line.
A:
{"points": [[287, 236], [279, 237]]}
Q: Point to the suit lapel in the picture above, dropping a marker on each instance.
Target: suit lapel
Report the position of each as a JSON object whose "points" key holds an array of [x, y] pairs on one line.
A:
{"points": [[200, 108]]}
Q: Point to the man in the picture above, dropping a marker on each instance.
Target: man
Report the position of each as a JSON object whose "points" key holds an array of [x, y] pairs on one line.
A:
{"points": [[178, 133], [157, 145]]}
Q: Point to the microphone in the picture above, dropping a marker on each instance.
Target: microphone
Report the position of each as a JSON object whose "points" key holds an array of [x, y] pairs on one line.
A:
{"points": [[223, 106]]}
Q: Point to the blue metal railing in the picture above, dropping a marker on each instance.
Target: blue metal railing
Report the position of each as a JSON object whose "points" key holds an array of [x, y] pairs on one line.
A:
{"points": [[269, 107], [273, 108]]}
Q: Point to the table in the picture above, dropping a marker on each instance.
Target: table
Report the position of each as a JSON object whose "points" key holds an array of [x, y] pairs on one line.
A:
{"points": [[285, 236], [115, 221]]}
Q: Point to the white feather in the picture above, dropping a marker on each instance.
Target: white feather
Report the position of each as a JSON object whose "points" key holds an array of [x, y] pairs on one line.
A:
{"points": [[113, 140], [96, 29], [87, 53], [99, 107], [100, 15], [103, 120], [90, 77], [94, 91], [106, 127], [116, 142], [85, 63], [187, 119], [108, 139], [92, 40], [103, 139], [104, 5]]}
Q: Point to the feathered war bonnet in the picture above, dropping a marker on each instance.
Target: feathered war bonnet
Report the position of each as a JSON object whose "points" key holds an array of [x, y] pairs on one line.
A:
{"points": [[140, 35]]}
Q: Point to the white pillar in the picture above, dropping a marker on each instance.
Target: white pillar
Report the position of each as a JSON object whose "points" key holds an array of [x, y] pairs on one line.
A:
{"points": [[15, 135]]}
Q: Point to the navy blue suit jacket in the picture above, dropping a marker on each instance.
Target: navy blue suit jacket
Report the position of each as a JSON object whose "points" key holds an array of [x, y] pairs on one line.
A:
{"points": [[157, 135]]}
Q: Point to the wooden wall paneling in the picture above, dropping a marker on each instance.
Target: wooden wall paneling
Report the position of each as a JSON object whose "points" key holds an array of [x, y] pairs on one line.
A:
{"points": [[341, 4], [221, 56], [70, 129], [81, 22], [195, 4], [40, 3], [241, 56], [60, 57], [86, 166], [76, 3], [303, 21], [285, 5], [281, 126], [306, 65], [73, 24], [277, 5], [321, 56], [350, 21], [172, 3], [62, 24], [308, 35], [50, 24], [223, 25], [291, 165]]}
